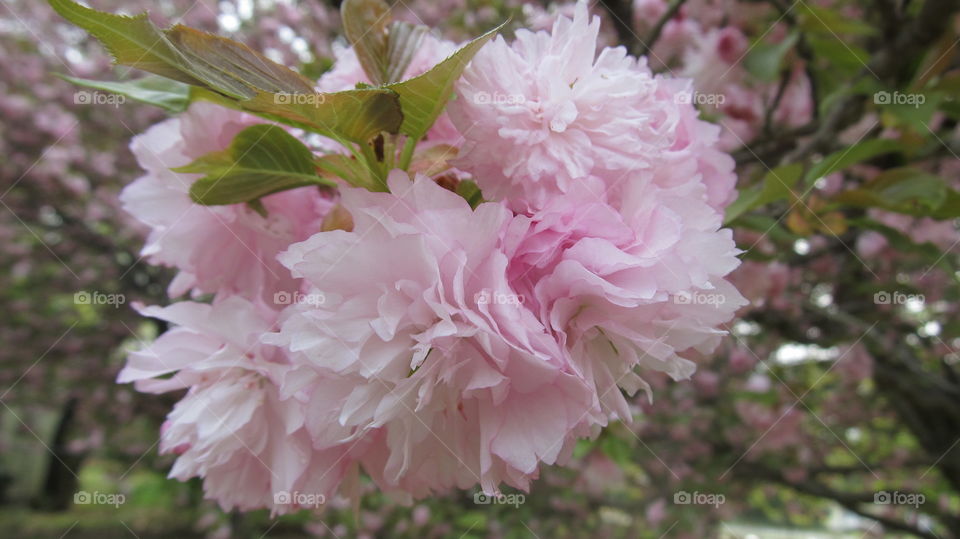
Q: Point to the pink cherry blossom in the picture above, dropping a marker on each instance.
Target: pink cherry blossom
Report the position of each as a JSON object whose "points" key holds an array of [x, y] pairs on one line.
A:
{"points": [[628, 288], [547, 112], [416, 351], [483, 342], [232, 428], [440, 346], [216, 249]]}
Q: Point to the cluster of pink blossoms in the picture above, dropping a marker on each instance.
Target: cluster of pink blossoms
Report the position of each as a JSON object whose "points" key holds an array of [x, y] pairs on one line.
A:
{"points": [[705, 41], [429, 344]]}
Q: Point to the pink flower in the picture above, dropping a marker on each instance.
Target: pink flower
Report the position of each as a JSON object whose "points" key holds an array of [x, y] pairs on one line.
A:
{"points": [[870, 244], [546, 113], [621, 289], [647, 12], [943, 234], [779, 428], [677, 35], [764, 284], [422, 352], [433, 345], [461, 346], [543, 18], [743, 115], [796, 106], [656, 512], [232, 428], [713, 59], [855, 364], [217, 249]]}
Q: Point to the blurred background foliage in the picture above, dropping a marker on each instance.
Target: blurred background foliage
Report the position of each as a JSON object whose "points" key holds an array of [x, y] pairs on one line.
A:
{"points": [[837, 386]]}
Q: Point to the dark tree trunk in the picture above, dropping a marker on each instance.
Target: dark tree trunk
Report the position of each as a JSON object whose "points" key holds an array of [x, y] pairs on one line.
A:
{"points": [[61, 481]]}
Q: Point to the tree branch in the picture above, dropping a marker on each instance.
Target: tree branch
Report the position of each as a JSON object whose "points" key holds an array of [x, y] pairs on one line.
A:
{"points": [[621, 11]]}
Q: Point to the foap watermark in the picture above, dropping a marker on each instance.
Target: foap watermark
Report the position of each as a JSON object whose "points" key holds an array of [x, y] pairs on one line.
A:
{"points": [[285, 98], [898, 98], [296, 298], [697, 98], [699, 298], [299, 499], [84, 97], [489, 297], [516, 500], [84, 297], [683, 497], [497, 98], [897, 298], [98, 498], [896, 497]]}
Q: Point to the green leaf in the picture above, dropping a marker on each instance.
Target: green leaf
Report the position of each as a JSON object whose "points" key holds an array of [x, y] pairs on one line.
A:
{"points": [[949, 84], [162, 92], [350, 170], [616, 449], [839, 56], [402, 45], [470, 192], [904, 190], [848, 156], [366, 25], [261, 160], [867, 86], [232, 69], [184, 54], [830, 21], [132, 41], [472, 521], [582, 448], [950, 208], [423, 98], [384, 47], [357, 115], [776, 184], [765, 59], [769, 227], [913, 110]]}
